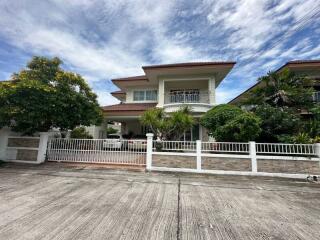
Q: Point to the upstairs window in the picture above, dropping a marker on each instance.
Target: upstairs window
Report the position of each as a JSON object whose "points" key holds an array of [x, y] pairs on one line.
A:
{"points": [[145, 95], [139, 95]]}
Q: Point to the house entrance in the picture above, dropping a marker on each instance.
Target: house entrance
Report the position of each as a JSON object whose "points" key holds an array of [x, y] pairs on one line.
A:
{"points": [[192, 134]]}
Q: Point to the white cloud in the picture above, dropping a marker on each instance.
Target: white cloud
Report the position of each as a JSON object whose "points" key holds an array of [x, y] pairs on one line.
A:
{"points": [[253, 23], [103, 39], [105, 98]]}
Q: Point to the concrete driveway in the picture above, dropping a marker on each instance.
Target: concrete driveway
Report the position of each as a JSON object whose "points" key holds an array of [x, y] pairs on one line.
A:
{"points": [[55, 202]]}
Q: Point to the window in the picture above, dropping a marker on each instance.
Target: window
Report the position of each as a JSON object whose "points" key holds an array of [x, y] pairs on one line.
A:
{"points": [[145, 95], [151, 95], [138, 95]]}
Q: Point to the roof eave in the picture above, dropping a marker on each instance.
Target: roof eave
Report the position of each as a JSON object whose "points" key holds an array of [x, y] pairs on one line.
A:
{"points": [[181, 65]]}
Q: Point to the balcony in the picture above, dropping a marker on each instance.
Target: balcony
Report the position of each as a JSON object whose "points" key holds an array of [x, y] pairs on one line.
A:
{"points": [[186, 97], [197, 100]]}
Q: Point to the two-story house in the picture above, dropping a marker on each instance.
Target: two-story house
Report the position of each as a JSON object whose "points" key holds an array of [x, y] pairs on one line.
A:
{"points": [[168, 86]]}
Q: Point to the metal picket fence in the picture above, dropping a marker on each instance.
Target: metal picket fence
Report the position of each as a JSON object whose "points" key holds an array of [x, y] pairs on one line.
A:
{"points": [[108, 151]]}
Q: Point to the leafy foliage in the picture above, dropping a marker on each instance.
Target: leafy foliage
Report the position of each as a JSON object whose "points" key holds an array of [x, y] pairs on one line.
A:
{"points": [[167, 126], [279, 103], [276, 122], [312, 125], [301, 138], [243, 128], [111, 130], [284, 89], [44, 96], [219, 116], [229, 123], [81, 133]]}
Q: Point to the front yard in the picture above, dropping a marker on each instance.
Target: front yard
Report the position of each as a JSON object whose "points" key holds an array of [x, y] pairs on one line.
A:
{"points": [[52, 201]]}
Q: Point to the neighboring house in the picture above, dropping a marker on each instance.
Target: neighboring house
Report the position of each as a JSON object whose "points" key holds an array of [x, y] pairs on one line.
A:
{"points": [[308, 68], [168, 86]]}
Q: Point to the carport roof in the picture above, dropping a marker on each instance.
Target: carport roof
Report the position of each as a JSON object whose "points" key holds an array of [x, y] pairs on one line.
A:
{"points": [[128, 107]]}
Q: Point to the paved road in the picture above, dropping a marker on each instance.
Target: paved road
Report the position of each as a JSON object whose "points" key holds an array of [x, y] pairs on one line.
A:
{"points": [[55, 202]]}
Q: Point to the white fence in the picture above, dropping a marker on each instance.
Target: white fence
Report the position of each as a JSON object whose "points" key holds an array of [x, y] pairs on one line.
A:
{"points": [[108, 151], [264, 159], [189, 146], [224, 147], [286, 149]]}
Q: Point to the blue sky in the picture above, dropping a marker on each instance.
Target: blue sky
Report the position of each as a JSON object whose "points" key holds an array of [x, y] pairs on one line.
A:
{"points": [[104, 39]]}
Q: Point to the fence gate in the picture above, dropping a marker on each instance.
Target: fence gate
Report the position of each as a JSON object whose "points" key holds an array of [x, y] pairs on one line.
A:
{"points": [[107, 151]]}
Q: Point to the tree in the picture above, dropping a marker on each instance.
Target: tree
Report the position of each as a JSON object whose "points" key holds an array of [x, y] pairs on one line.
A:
{"points": [[229, 123], [279, 103], [44, 96], [219, 116], [284, 89], [167, 126], [80, 133], [243, 128], [276, 123]]}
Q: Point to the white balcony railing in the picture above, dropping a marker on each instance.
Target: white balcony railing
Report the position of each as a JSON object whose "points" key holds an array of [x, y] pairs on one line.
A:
{"points": [[201, 97]]}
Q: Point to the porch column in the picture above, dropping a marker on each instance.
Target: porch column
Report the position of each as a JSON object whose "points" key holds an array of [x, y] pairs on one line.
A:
{"points": [[161, 93], [212, 90]]}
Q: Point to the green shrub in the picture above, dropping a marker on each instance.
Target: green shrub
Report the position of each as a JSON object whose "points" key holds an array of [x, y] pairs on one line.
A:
{"points": [[278, 124], [81, 133], [316, 139], [301, 138], [219, 116], [111, 130], [243, 128], [230, 123]]}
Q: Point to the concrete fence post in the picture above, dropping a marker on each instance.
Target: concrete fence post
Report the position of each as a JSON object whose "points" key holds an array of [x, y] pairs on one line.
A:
{"points": [[317, 148], [198, 148], [149, 150], [4, 136], [42, 150], [253, 156]]}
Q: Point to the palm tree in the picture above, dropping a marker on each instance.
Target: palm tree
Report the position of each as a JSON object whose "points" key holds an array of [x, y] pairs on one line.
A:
{"points": [[284, 89], [167, 125]]}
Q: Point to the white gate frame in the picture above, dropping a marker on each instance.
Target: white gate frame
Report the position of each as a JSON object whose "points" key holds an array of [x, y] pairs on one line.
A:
{"points": [[252, 155]]}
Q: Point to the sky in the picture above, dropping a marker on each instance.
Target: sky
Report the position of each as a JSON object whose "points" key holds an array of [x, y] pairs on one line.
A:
{"points": [[105, 39]]}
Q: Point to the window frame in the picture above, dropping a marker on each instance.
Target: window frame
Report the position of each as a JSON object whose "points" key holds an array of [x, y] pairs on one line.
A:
{"points": [[152, 93]]}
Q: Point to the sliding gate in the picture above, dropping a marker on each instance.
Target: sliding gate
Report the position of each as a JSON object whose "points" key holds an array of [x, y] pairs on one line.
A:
{"points": [[106, 151]]}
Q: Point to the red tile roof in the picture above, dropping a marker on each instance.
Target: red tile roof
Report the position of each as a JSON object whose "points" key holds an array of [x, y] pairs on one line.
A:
{"points": [[136, 78], [304, 61], [118, 92], [189, 64], [299, 62], [129, 107]]}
